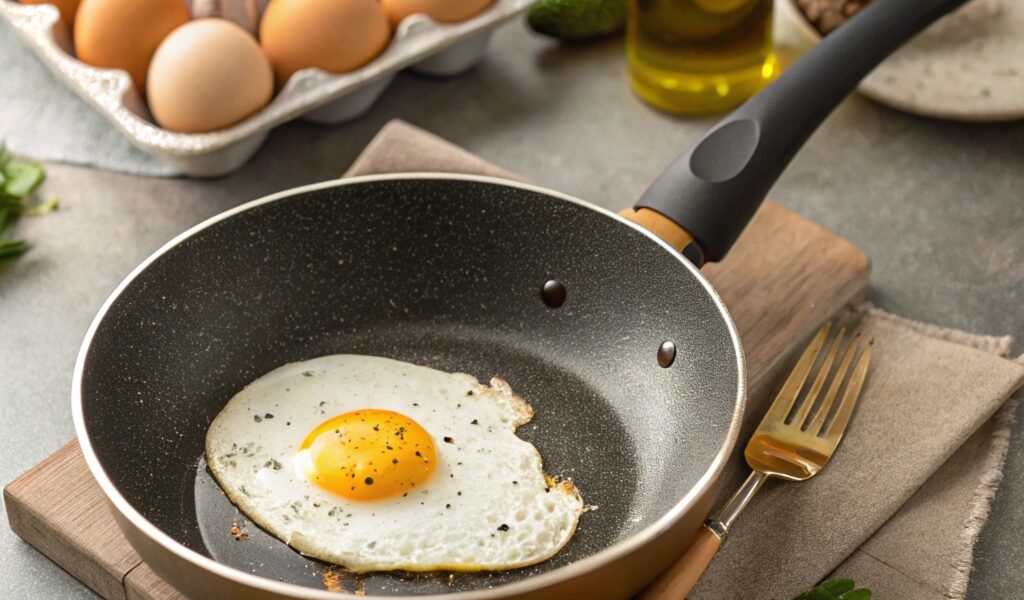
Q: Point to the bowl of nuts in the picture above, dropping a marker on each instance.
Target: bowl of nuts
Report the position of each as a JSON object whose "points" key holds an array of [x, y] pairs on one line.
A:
{"points": [[968, 66], [821, 17]]}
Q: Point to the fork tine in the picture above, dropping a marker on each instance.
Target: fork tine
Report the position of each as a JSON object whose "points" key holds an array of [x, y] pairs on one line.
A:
{"points": [[833, 389], [845, 411], [784, 400], [819, 380]]}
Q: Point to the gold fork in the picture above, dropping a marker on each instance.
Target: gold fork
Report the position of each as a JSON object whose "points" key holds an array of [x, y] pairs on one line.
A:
{"points": [[794, 448]]}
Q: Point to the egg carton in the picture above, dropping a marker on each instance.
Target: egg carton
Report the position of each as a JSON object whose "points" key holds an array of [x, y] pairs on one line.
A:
{"points": [[420, 43]]}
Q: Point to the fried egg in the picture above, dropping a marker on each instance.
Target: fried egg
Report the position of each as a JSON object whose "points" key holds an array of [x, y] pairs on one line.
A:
{"points": [[376, 465]]}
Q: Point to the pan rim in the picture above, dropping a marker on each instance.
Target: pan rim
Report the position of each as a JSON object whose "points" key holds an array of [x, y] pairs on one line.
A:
{"points": [[581, 567]]}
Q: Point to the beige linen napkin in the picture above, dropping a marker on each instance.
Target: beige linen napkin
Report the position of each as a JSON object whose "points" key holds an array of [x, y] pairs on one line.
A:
{"points": [[925, 550], [900, 506], [928, 391]]}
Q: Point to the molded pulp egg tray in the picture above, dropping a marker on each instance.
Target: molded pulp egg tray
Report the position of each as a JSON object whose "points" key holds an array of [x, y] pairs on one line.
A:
{"points": [[420, 43]]}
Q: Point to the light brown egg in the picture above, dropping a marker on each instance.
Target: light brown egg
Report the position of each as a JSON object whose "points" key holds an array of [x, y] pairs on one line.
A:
{"points": [[124, 34], [337, 35], [67, 8], [206, 75], [444, 11]]}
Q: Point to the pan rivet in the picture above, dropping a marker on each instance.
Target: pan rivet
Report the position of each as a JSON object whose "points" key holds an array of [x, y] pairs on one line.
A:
{"points": [[553, 293], [666, 354]]}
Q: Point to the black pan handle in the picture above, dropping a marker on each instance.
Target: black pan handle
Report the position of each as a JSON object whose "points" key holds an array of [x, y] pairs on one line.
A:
{"points": [[713, 190]]}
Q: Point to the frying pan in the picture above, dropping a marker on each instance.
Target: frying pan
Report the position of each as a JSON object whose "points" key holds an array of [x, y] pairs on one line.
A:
{"points": [[573, 305]]}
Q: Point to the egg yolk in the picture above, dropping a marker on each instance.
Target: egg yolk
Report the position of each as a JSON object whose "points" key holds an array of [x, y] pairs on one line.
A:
{"points": [[368, 454]]}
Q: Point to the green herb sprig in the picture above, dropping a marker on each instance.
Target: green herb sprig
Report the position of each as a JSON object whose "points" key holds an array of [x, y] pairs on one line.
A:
{"points": [[18, 181], [836, 589]]}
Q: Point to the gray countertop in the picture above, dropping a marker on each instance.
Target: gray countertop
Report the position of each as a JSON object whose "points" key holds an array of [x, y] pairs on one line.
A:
{"points": [[938, 206]]}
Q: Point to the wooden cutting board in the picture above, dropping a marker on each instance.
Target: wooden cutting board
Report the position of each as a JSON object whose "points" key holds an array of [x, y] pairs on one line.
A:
{"points": [[783, 278]]}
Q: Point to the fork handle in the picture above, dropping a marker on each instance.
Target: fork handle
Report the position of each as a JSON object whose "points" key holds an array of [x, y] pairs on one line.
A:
{"points": [[677, 581]]}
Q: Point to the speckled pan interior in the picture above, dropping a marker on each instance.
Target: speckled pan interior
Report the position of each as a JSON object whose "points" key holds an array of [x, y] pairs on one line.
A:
{"points": [[445, 273]]}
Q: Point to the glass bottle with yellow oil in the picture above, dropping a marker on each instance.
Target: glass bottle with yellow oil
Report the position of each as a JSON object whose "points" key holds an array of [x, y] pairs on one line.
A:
{"points": [[699, 56]]}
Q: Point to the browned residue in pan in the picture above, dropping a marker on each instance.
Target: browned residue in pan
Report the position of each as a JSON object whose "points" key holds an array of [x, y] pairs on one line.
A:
{"points": [[238, 532], [335, 579], [332, 580]]}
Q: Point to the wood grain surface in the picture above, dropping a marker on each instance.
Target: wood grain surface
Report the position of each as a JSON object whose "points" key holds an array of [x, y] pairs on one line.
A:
{"points": [[784, 277]]}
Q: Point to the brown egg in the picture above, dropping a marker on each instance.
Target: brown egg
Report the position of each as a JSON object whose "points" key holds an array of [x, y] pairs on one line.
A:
{"points": [[444, 11], [206, 75], [67, 8], [124, 34], [336, 36]]}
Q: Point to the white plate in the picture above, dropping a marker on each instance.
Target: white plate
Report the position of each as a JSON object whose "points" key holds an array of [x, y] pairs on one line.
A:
{"points": [[969, 66]]}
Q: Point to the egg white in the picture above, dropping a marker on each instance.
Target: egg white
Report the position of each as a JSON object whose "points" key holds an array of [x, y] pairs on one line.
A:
{"points": [[487, 506]]}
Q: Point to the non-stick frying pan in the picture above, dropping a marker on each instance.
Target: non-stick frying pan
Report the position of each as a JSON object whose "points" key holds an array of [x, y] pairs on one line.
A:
{"points": [[571, 304]]}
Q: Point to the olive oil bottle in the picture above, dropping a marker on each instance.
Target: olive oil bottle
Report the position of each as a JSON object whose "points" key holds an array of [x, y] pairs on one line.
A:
{"points": [[699, 56]]}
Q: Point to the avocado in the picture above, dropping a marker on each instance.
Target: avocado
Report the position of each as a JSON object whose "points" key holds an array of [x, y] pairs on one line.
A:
{"points": [[577, 19]]}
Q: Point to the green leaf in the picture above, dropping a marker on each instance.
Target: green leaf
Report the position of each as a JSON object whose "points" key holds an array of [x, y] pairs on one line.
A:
{"points": [[21, 178], [18, 180], [861, 594], [44, 208], [12, 248], [838, 586]]}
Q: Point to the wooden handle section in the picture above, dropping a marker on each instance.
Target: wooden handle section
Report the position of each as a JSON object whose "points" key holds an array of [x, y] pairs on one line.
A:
{"points": [[677, 581], [659, 225]]}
